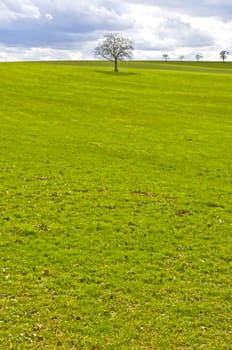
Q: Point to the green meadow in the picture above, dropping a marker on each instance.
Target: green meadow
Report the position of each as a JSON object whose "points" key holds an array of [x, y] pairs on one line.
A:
{"points": [[115, 206]]}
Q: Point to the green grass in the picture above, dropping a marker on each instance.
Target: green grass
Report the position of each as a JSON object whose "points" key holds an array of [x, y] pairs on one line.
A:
{"points": [[116, 206]]}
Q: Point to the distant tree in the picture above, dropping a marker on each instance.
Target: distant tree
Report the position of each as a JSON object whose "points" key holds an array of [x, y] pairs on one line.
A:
{"points": [[165, 57], [181, 57], [114, 47], [223, 55], [198, 57]]}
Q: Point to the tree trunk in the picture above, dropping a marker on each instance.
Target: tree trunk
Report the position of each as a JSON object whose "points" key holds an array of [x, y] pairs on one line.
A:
{"points": [[115, 65]]}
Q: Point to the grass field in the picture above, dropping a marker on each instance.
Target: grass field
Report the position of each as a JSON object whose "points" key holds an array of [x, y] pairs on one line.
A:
{"points": [[115, 206]]}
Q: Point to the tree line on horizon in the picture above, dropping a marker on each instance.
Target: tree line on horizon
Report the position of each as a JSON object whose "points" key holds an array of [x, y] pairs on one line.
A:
{"points": [[115, 47], [223, 55]]}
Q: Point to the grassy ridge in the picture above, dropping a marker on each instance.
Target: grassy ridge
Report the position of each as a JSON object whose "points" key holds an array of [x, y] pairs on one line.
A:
{"points": [[116, 205]]}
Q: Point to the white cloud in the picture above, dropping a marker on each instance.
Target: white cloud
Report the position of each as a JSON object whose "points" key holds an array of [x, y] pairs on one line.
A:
{"points": [[48, 16], [32, 54], [20, 9]]}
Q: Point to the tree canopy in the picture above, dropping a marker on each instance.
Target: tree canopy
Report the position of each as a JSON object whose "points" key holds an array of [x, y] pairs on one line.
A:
{"points": [[114, 47], [223, 55]]}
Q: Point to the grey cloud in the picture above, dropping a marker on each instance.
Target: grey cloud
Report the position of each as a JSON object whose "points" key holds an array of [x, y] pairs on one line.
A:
{"points": [[174, 33], [183, 33], [201, 8], [64, 25], [29, 25]]}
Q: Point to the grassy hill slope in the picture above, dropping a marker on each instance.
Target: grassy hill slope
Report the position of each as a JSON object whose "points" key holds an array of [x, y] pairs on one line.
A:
{"points": [[115, 205]]}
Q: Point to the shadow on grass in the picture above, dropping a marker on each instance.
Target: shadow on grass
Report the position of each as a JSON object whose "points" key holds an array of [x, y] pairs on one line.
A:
{"points": [[114, 73]]}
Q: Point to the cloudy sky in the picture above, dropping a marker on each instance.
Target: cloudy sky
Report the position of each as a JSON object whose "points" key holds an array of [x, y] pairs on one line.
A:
{"points": [[70, 29]]}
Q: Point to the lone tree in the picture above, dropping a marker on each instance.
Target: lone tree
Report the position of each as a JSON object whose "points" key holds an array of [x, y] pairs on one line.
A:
{"points": [[198, 57], [165, 57], [223, 55], [114, 47], [181, 57]]}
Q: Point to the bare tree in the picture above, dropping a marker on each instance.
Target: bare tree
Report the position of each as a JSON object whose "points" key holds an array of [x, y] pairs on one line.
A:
{"points": [[198, 57], [181, 57], [114, 47], [165, 57], [223, 55]]}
